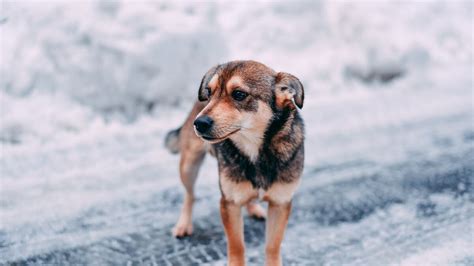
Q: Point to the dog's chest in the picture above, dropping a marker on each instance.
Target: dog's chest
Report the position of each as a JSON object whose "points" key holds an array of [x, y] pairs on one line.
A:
{"points": [[242, 192], [261, 172], [248, 144]]}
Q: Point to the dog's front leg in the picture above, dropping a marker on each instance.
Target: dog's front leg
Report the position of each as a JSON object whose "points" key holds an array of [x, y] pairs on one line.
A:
{"points": [[277, 218], [233, 226]]}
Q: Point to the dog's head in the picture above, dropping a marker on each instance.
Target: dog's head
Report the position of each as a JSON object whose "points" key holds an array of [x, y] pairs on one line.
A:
{"points": [[241, 99]]}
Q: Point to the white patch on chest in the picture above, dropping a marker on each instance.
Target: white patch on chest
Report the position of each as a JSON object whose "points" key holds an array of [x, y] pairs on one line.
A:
{"points": [[249, 139], [248, 142]]}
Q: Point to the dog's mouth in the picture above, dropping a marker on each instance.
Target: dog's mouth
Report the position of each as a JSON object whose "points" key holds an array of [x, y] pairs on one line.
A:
{"points": [[217, 139]]}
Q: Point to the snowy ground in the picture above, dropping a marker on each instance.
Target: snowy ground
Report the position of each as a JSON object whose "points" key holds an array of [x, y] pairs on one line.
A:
{"points": [[85, 104]]}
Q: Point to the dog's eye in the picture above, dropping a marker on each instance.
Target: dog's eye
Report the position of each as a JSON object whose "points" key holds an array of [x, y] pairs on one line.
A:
{"points": [[239, 95]]}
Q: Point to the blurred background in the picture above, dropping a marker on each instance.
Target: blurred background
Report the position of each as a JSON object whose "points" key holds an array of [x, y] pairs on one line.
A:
{"points": [[88, 89]]}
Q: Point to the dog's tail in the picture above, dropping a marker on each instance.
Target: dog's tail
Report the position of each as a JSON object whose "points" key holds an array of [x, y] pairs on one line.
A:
{"points": [[172, 140]]}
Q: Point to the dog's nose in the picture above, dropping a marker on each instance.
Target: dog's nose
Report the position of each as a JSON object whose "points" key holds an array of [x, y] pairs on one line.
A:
{"points": [[203, 123]]}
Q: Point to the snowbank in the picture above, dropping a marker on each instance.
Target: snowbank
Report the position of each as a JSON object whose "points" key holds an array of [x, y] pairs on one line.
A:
{"points": [[114, 57], [121, 59]]}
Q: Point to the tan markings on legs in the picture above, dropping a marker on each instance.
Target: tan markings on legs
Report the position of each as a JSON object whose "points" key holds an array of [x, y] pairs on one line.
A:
{"points": [[275, 229], [234, 195], [279, 196], [189, 168], [233, 227], [239, 193], [281, 192]]}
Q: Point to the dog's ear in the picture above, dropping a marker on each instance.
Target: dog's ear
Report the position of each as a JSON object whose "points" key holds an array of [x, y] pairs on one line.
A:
{"points": [[288, 91], [203, 93]]}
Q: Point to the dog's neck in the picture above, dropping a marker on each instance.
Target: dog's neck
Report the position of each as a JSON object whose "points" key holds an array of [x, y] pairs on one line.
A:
{"points": [[268, 138], [284, 134], [249, 143], [279, 145], [250, 138]]}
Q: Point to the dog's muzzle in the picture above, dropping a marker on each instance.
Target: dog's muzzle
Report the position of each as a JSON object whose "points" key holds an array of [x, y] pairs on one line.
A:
{"points": [[203, 124]]}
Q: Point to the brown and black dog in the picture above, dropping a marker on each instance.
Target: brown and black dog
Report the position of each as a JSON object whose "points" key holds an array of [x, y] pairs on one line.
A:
{"points": [[247, 118]]}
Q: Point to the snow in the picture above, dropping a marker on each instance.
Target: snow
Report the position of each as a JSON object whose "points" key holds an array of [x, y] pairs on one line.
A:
{"points": [[89, 89], [446, 254], [122, 57]]}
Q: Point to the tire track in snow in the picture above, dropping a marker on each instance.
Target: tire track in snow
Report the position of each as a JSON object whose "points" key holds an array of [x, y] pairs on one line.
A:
{"points": [[356, 203]]}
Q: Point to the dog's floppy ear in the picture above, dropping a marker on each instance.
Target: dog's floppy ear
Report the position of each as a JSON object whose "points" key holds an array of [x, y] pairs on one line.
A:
{"points": [[203, 93], [288, 91]]}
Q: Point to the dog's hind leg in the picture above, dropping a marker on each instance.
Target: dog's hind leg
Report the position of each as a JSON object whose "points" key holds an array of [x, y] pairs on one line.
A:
{"points": [[255, 210], [188, 168], [193, 151]]}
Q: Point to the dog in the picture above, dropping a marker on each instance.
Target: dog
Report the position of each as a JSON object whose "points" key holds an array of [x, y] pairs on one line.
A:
{"points": [[247, 117]]}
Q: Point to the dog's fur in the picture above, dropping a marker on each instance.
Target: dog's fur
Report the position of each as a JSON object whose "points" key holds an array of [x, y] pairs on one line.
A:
{"points": [[259, 146]]}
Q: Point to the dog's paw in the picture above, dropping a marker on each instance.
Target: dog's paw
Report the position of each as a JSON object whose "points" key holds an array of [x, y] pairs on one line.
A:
{"points": [[182, 229], [256, 211]]}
